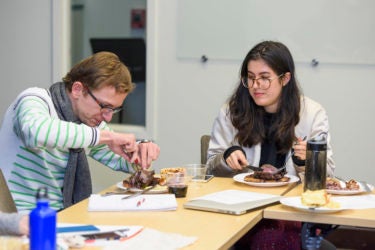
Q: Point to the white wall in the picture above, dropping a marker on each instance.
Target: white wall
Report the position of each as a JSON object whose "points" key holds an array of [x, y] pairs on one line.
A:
{"points": [[186, 95], [25, 47], [190, 93]]}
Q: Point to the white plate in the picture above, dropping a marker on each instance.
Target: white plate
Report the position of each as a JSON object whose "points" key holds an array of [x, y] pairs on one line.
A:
{"points": [[240, 178], [157, 190], [349, 192], [295, 202], [120, 186]]}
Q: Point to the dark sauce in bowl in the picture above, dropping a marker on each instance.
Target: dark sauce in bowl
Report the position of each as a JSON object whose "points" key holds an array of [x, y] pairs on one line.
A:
{"points": [[178, 190]]}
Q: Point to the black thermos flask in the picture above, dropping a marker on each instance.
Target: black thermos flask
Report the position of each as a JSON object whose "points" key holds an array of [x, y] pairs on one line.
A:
{"points": [[316, 164]]}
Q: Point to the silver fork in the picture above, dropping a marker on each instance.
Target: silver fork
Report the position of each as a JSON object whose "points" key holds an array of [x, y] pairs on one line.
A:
{"points": [[286, 160], [284, 166], [365, 186]]}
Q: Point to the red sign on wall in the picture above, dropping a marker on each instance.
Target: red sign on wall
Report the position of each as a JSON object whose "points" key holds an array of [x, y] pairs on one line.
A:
{"points": [[138, 18]]}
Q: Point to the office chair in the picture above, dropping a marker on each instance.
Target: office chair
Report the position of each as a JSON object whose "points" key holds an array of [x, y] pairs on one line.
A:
{"points": [[205, 140], [7, 204]]}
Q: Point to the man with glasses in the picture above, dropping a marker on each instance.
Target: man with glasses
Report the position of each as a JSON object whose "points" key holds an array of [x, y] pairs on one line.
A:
{"points": [[49, 132]]}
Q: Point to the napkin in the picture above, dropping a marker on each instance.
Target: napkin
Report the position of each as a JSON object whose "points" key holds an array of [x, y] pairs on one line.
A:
{"points": [[145, 202]]}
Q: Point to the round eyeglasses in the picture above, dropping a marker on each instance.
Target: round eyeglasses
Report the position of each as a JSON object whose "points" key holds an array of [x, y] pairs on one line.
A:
{"points": [[263, 82]]}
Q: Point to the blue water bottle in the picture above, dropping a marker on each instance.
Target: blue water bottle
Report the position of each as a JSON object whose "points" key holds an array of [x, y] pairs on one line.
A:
{"points": [[42, 223]]}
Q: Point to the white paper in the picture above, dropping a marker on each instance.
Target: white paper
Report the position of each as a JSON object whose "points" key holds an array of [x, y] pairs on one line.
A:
{"points": [[67, 238], [146, 202], [231, 197], [137, 237]]}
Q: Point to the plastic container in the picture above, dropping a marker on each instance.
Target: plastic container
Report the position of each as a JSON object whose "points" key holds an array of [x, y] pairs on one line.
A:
{"points": [[42, 224], [316, 164]]}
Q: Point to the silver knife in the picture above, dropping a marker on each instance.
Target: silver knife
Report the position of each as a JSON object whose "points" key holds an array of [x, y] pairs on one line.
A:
{"points": [[138, 194], [114, 193]]}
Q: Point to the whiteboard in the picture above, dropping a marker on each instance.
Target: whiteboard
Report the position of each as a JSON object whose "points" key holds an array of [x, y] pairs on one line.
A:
{"points": [[329, 31]]}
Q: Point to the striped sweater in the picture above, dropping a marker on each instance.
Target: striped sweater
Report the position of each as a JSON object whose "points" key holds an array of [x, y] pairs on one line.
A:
{"points": [[34, 148]]}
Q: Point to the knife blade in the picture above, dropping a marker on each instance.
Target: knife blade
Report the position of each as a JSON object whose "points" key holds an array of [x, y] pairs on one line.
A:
{"points": [[114, 193]]}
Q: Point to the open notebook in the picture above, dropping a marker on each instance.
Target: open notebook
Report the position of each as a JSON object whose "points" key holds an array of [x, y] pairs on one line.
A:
{"points": [[231, 201], [144, 202]]}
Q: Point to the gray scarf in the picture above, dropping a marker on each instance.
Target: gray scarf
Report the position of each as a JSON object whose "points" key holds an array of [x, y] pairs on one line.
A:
{"points": [[77, 180]]}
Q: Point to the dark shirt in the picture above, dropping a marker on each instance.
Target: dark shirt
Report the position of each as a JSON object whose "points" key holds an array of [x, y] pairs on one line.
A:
{"points": [[269, 153]]}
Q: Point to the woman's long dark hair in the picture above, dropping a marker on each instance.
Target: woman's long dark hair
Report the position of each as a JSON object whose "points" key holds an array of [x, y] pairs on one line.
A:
{"points": [[248, 118]]}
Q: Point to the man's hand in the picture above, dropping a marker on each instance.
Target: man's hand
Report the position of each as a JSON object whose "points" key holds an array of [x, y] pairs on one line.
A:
{"points": [[121, 144], [147, 152]]}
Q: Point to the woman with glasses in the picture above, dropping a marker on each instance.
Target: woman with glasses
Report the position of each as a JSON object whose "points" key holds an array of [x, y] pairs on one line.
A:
{"points": [[266, 120], [49, 133]]}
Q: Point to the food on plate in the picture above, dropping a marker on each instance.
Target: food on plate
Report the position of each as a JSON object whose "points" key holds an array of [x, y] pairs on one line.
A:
{"points": [[142, 179], [164, 171], [268, 168], [316, 198], [352, 185], [335, 184], [266, 177]]}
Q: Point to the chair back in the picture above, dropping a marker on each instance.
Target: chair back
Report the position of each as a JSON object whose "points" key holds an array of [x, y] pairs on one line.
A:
{"points": [[205, 140], [7, 204]]}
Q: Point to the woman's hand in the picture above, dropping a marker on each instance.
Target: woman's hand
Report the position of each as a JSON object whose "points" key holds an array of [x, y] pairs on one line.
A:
{"points": [[237, 160], [299, 148]]}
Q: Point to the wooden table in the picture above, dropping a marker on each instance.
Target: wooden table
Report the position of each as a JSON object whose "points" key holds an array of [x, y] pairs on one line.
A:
{"points": [[213, 230], [356, 218]]}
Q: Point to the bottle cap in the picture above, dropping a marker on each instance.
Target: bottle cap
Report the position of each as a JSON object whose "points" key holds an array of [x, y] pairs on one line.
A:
{"points": [[42, 193], [316, 146]]}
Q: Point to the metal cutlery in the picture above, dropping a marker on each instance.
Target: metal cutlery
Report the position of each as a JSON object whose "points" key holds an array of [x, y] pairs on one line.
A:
{"points": [[113, 193], [284, 166], [365, 186], [278, 170], [254, 168], [286, 160], [139, 193]]}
